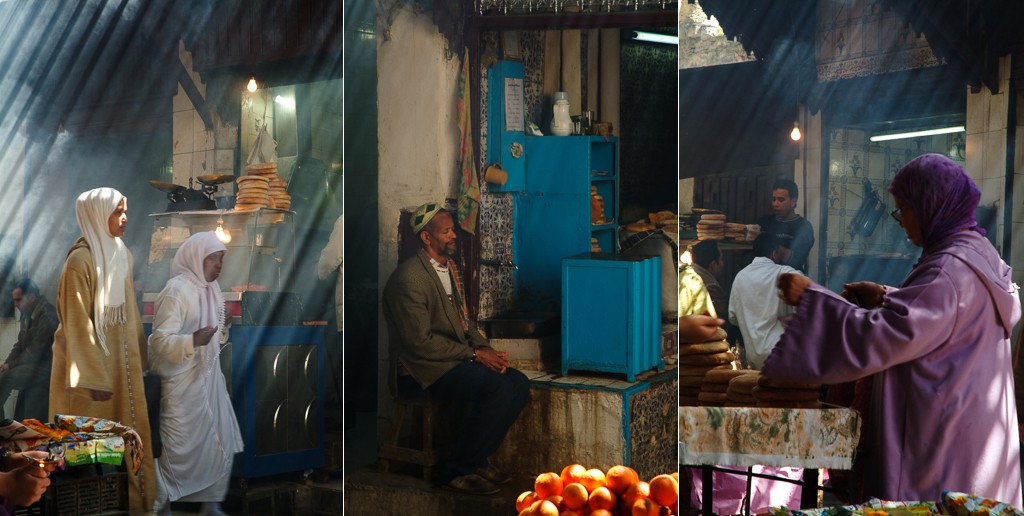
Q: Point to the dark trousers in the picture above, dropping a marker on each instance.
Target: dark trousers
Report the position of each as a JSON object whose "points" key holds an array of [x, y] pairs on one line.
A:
{"points": [[494, 400]]}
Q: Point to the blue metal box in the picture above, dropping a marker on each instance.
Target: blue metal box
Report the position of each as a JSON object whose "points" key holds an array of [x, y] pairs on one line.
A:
{"points": [[611, 313]]}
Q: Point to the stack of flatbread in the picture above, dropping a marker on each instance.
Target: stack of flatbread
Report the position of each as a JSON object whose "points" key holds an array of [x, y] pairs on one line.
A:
{"points": [[713, 392], [594, 246], [253, 193], [695, 360], [735, 231], [277, 192], [784, 394], [740, 392], [711, 226]]}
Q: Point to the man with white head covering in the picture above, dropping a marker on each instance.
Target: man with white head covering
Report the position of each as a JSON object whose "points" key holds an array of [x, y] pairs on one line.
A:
{"points": [[99, 347], [435, 345], [198, 427]]}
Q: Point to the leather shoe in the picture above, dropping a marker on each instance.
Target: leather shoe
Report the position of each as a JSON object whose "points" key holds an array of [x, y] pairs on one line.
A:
{"points": [[494, 475], [471, 484]]}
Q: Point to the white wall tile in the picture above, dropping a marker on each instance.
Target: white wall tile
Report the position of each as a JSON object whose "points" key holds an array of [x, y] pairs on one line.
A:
{"points": [[997, 112], [182, 130], [977, 112]]}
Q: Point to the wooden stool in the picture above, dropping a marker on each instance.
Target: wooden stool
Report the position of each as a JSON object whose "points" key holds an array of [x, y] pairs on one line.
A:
{"points": [[408, 399]]}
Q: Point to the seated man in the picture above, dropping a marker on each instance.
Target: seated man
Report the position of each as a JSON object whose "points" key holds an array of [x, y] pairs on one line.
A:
{"points": [[28, 364], [441, 350]]}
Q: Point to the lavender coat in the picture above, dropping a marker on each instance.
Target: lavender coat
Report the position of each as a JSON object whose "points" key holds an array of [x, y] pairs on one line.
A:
{"points": [[943, 391]]}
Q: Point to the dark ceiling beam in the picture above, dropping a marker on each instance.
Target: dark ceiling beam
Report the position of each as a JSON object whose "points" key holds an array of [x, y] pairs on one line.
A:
{"points": [[613, 20]]}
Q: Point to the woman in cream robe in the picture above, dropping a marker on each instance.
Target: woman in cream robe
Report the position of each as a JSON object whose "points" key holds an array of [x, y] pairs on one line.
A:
{"points": [[97, 368], [198, 426]]}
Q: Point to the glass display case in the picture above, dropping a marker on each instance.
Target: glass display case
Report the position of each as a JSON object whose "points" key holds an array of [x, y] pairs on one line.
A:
{"points": [[260, 246]]}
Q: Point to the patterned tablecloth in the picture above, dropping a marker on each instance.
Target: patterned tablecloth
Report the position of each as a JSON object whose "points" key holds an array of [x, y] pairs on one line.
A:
{"points": [[809, 438]]}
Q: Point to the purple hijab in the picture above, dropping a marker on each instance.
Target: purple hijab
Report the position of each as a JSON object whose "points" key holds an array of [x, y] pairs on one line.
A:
{"points": [[942, 196]]}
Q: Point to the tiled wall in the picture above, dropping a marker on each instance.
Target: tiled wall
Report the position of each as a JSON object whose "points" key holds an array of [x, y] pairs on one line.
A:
{"points": [[859, 38], [853, 159], [497, 287]]}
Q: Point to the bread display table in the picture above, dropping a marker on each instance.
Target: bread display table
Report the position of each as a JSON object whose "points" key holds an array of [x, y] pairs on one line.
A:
{"points": [[807, 438]]}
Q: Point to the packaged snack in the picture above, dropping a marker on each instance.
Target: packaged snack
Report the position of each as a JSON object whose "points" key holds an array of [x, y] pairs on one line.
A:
{"points": [[962, 504], [79, 452], [110, 450]]}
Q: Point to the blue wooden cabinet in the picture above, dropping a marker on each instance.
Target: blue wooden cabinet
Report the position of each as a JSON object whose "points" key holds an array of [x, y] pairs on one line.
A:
{"points": [[611, 314], [553, 217], [505, 84]]}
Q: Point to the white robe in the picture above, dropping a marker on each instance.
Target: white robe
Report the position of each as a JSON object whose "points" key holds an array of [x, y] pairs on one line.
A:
{"points": [[197, 422]]}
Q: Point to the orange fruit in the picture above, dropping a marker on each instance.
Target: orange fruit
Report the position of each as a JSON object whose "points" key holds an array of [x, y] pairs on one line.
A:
{"points": [[635, 492], [574, 496], [572, 473], [664, 490], [557, 500], [543, 508], [602, 498], [619, 478], [547, 484], [645, 507], [525, 500], [601, 512], [675, 475], [570, 512], [592, 479]]}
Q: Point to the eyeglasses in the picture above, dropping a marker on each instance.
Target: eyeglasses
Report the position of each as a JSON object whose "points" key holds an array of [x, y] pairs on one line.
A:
{"points": [[897, 214]]}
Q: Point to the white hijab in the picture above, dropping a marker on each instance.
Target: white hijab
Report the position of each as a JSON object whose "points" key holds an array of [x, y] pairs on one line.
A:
{"points": [[93, 210], [188, 263]]}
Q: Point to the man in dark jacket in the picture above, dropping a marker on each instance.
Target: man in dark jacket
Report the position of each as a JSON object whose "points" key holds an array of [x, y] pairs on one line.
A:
{"points": [[435, 346], [28, 364]]}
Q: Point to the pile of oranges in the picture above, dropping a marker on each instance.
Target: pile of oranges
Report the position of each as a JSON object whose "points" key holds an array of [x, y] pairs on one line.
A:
{"points": [[579, 491]]}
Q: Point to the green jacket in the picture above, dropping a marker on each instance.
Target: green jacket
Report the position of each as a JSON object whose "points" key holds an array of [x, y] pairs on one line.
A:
{"points": [[424, 333]]}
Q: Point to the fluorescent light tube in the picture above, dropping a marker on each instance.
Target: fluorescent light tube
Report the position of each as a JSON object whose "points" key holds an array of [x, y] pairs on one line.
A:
{"points": [[652, 37], [915, 134]]}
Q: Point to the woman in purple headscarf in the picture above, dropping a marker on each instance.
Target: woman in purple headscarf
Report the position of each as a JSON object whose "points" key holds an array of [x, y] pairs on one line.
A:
{"points": [[942, 400]]}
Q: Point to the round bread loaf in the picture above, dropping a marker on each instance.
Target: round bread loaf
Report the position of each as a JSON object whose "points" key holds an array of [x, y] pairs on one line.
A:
{"points": [[739, 397], [744, 383], [735, 404], [709, 359], [691, 381], [770, 394], [714, 387], [691, 370], [703, 348], [689, 391], [724, 375]]}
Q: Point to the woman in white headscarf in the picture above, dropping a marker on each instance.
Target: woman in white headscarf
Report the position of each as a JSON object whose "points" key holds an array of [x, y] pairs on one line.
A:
{"points": [[198, 427], [99, 346]]}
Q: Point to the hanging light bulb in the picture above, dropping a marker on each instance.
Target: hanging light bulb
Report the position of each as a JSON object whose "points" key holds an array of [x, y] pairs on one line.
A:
{"points": [[687, 257], [222, 234], [795, 133], [252, 85]]}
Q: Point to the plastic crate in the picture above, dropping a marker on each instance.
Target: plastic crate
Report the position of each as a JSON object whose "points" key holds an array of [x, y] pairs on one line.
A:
{"points": [[75, 493]]}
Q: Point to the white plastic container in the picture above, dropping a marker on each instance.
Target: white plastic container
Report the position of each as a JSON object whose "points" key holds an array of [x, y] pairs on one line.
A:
{"points": [[561, 122]]}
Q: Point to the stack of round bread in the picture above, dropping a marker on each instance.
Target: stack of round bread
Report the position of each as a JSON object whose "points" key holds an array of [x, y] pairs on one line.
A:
{"points": [[711, 226], [277, 189], [253, 193], [695, 360], [772, 393], [595, 247], [735, 231], [740, 392], [713, 392]]}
